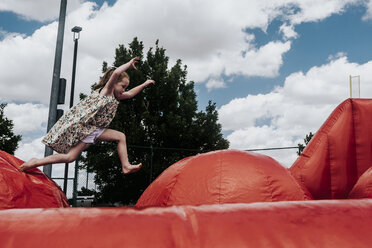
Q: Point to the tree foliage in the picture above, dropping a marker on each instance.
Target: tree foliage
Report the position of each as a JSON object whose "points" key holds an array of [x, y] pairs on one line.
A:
{"points": [[85, 192], [307, 139], [8, 140], [162, 125]]}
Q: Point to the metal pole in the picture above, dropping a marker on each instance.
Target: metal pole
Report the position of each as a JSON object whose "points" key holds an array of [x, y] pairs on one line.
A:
{"points": [[359, 85], [55, 82], [65, 179], [76, 31], [151, 158], [73, 72], [86, 185], [74, 193], [350, 86], [76, 38]]}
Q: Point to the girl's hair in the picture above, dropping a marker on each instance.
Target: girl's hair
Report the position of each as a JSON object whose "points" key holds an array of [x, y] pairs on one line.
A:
{"points": [[106, 76]]}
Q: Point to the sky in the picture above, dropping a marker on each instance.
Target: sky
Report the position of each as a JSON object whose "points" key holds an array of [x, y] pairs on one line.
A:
{"points": [[276, 69]]}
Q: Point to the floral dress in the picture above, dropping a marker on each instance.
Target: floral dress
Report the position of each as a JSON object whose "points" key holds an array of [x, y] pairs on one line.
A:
{"points": [[93, 112]]}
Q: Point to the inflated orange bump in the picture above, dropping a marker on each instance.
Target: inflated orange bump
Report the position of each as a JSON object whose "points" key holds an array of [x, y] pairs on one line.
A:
{"points": [[31, 189], [226, 176], [363, 187]]}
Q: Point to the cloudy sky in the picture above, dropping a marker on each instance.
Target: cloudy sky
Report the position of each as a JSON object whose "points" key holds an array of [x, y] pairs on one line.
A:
{"points": [[275, 68]]}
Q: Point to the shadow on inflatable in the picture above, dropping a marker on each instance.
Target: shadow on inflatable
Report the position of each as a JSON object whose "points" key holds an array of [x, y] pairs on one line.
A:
{"points": [[225, 198]]}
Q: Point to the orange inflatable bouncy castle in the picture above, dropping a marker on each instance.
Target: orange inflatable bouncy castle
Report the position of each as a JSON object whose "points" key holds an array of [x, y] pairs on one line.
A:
{"points": [[27, 190], [224, 199]]}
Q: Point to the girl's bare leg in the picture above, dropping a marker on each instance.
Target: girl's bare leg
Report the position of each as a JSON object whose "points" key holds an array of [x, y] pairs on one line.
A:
{"points": [[113, 135], [55, 158]]}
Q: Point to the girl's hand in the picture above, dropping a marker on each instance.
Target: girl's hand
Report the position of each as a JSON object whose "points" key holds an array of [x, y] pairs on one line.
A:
{"points": [[132, 62], [149, 81]]}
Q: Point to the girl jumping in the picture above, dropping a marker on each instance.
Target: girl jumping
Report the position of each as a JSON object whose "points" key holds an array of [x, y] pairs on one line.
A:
{"points": [[87, 122]]}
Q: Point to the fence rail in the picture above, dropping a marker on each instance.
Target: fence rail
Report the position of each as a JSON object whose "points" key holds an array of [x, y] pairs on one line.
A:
{"points": [[275, 148]]}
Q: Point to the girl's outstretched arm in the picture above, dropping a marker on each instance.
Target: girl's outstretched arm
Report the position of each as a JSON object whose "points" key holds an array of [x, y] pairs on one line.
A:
{"points": [[132, 92], [118, 71]]}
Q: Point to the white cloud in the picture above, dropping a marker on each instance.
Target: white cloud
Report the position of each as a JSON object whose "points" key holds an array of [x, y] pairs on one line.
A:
{"points": [[215, 84], [368, 14], [243, 112], [266, 137], [326, 84], [29, 120], [264, 61], [208, 36], [26, 65], [34, 149], [337, 56], [27, 117], [316, 10], [288, 31], [294, 110], [39, 10]]}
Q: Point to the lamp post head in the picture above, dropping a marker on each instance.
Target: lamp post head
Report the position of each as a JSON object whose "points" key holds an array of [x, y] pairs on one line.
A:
{"points": [[76, 30]]}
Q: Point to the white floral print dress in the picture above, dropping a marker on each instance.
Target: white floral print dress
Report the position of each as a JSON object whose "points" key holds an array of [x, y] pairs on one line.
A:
{"points": [[93, 112]]}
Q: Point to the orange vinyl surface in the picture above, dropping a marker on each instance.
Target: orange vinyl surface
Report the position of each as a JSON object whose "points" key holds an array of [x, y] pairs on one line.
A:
{"points": [[226, 176], [339, 153], [363, 187], [327, 223], [27, 190]]}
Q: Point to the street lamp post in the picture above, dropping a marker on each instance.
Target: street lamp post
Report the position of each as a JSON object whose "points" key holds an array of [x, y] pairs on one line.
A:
{"points": [[76, 35], [52, 117], [76, 31]]}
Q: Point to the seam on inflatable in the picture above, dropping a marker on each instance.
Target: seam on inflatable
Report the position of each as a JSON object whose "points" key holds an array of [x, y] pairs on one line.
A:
{"points": [[268, 187], [306, 193], [331, 121], [353, 116], [330, 168], [175, 181], [333, 118]]}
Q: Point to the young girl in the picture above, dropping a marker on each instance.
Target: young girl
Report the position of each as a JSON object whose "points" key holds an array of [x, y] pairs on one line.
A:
{"points": [[87, 122]]}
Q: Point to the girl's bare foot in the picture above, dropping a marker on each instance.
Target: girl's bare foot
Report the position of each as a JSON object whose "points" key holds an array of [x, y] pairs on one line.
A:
{"points": [[29, 164], [131, 168]]}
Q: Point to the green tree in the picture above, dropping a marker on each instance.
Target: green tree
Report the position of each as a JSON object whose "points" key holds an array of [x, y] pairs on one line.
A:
{"points": [[8, 140], [162, 125], [85, 192], [307, 139]]}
